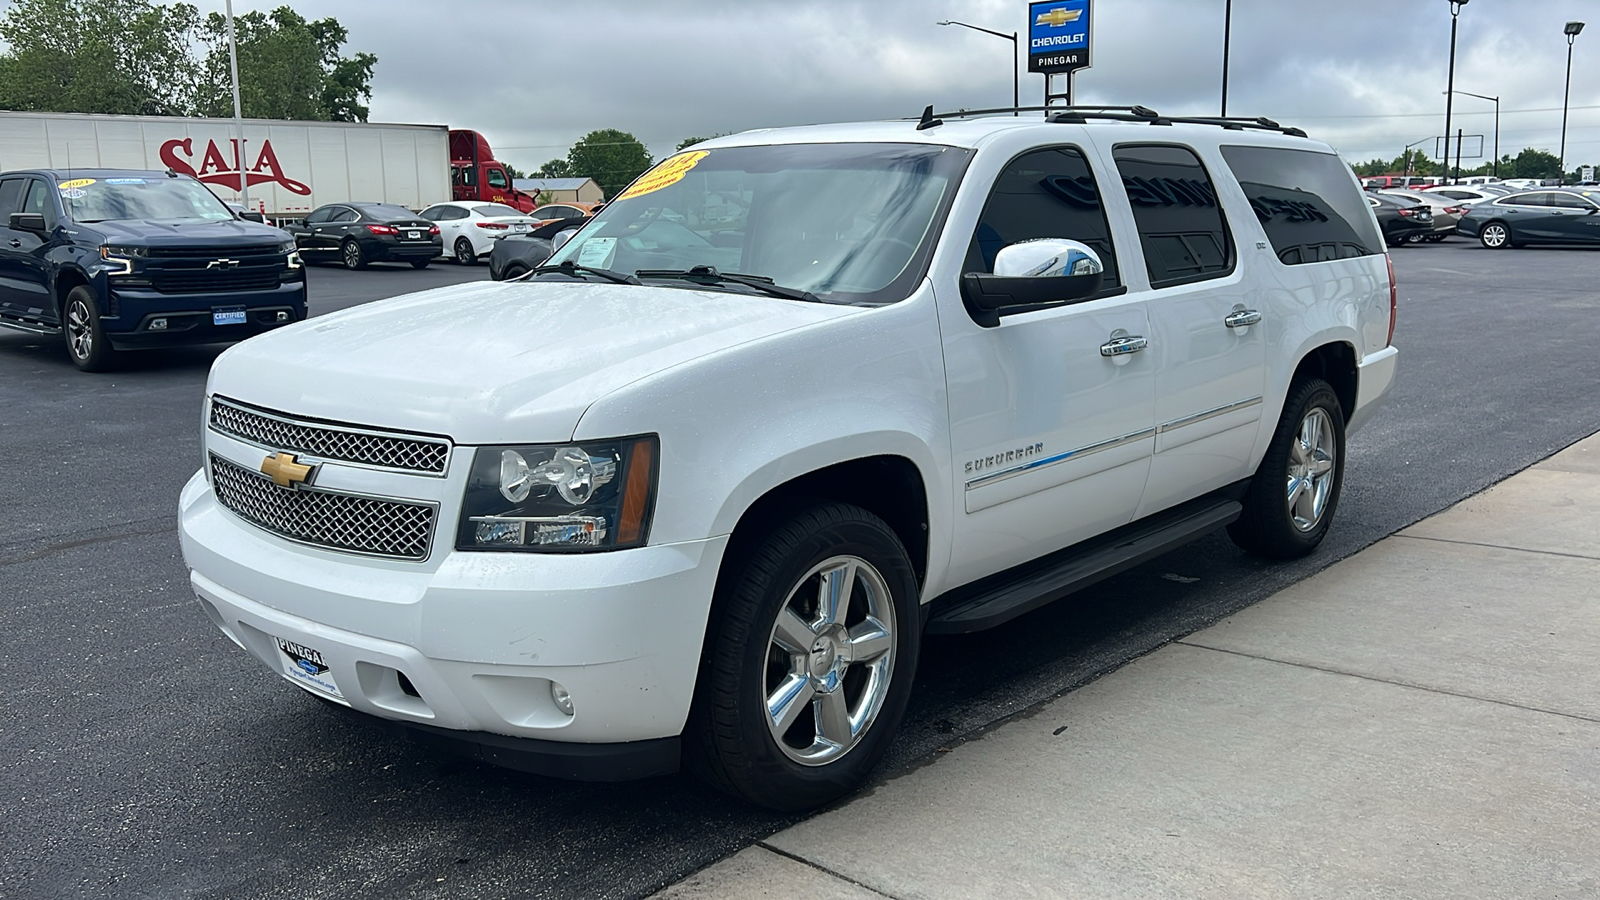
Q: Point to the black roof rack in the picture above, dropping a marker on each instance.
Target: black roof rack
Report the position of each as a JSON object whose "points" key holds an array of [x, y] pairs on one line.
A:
{"points": [[1080, 115]]}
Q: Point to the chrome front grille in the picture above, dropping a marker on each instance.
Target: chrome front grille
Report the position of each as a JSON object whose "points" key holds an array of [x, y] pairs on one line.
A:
{"points": [[345, 443], [397, 529]]}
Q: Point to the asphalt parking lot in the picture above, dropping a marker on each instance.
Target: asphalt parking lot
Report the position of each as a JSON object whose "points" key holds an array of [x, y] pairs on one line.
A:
{"points": [[144, 755]]}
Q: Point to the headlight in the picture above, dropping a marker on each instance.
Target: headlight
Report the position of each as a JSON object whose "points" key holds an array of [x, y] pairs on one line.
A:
{"points": [[587, 495], [119, 251], [287, 247]]}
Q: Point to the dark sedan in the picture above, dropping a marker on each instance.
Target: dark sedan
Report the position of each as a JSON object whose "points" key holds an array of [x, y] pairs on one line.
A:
{"points": [[1535, 217], [1401, 221], [515, 254], [359, 233]]}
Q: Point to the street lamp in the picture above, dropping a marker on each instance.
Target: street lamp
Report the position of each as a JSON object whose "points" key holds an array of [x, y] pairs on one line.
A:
{"points": [[1496, 131], [1572, 31], [1227, 39], [1450, 90], [1016, 81]]}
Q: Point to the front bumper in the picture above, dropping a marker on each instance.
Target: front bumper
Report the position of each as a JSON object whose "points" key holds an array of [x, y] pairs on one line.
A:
{"points": [[145, 319], [464, 647]]}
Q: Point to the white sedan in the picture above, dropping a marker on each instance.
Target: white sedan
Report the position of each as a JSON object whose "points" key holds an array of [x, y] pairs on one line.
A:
{"points": [[469, 229]]}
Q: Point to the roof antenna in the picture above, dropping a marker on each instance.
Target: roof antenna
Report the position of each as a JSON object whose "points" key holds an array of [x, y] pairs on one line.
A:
{"points": [[928, 121]]}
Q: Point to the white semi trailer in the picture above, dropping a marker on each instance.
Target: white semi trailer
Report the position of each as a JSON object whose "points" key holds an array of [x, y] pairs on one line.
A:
{"points": [[292, 167]]}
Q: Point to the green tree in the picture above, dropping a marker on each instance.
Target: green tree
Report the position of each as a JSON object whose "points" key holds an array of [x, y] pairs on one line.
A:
{"points": [[612, 158], [555, 168], [1531, 163], [691, 141], [513, 171], [289, 68], [127, 57]]}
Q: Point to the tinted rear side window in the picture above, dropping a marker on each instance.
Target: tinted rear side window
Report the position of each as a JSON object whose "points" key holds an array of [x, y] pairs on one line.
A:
{"points": [[1044, 194], [1307, 203], [10, 199], [1175, 206]]}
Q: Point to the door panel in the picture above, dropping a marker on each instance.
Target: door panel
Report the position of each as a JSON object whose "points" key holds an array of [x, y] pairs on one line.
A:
{"points": [[1206, 346], [1051, 438]]}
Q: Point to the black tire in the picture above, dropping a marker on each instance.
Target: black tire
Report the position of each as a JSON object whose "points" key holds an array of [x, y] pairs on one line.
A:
{"points": [[351, 254], [1496, 236], [420, 263], [728, 741], [465, 255], [86, 342], [1274, 524]]}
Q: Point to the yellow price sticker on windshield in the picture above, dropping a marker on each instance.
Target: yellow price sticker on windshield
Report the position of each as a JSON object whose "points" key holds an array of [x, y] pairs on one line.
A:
{"points": [[670, 172], [75, 183]]}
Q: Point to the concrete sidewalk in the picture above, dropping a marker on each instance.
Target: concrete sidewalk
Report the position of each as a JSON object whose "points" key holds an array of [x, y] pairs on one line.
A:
{"points": [[1419, 720]]}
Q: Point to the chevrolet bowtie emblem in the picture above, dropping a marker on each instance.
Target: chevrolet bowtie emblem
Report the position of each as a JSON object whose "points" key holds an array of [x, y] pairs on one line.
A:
{"points": [[284, 471], [1058, 17]]}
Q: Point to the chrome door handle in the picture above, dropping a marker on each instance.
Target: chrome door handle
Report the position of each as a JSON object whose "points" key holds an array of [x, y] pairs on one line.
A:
{"points": [[15, 242], [1123, 345], [1239, 318]]}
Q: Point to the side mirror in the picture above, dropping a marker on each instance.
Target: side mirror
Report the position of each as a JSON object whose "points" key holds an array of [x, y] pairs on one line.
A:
{"points": [[1032, 274], [33, 222], [561, 238]]}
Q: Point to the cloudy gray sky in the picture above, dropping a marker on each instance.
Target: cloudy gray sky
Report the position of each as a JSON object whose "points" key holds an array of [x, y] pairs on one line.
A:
{"points": [[1365, 75]]}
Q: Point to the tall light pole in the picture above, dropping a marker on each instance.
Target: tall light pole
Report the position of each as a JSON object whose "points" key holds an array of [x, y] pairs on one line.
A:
{"points": [[238, 115], [1572, 31], [1450, 91], [1496, 130], [1405, 155], [1016, 80], [1227, 39]]}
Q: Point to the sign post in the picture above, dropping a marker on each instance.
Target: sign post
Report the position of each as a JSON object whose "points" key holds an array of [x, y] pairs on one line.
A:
{"points": [[1059, 42]]}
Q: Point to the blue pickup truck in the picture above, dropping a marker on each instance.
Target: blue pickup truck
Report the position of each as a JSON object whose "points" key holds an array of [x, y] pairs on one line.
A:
{"points": [[115, 260]]}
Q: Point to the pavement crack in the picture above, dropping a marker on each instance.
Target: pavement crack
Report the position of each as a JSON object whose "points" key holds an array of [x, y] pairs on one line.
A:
{"points": [[1402, 684], [1421, 537], [159, 525], [823, 869]]}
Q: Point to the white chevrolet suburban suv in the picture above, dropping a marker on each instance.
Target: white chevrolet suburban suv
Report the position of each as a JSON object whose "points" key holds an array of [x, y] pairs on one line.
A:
{"points": [[695, 490]]}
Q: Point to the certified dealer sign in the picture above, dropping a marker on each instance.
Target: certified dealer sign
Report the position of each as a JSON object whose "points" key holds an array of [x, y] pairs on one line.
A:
{"points": [[1058, 35]]}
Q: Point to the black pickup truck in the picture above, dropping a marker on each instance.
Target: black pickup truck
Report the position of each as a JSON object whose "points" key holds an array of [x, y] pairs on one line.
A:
{"points": [[116, 260]]}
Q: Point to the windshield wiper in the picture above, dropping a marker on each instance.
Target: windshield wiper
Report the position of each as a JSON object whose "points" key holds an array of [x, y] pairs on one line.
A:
{"points": [[709, 276], [568, 267]]}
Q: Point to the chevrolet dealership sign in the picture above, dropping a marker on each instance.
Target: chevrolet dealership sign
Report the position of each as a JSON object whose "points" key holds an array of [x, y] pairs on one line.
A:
{"points": [[1058, 35]]}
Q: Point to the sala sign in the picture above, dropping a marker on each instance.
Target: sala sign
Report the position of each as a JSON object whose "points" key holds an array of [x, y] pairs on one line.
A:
{"points": [[217, 168]]}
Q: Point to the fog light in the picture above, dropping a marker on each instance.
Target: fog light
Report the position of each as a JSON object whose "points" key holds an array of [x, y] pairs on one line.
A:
{"points": [[158, 324], [561, 697], [283, 316]]}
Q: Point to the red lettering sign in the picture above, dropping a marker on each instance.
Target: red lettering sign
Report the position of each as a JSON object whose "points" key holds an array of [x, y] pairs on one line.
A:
{"points": [[216, 167]]}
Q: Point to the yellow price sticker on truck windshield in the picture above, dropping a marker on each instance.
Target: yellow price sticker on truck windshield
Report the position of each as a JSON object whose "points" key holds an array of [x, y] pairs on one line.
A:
{"points": [[670, 172], [75, 183]]}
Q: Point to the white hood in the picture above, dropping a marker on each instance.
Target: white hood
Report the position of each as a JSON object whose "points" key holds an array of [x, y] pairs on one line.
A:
{"points": [[494, 363]]}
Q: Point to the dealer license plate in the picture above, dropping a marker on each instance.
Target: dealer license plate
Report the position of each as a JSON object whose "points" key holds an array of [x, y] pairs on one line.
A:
{"points": [[413, 235], [306, 667], [228, 315], [520, 226]]}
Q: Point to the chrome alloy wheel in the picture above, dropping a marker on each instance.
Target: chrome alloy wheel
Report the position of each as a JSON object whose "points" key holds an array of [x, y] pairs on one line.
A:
{"points": [[80, 329], [1311, 470], [1495, 235], [829, 660], [352, 255]]}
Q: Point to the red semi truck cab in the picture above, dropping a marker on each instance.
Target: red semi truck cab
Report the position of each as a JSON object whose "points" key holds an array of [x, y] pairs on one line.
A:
{"points": [[476, 175]]}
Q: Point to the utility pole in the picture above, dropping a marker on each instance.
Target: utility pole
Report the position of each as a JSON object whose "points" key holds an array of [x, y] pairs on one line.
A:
{"points": [[1572, 30], [1227, 41], [239, 155]]}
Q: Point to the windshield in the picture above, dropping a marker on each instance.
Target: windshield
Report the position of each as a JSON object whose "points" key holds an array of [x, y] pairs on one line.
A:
{"points": [[159, 199], [494, 209], [851, 223]]}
